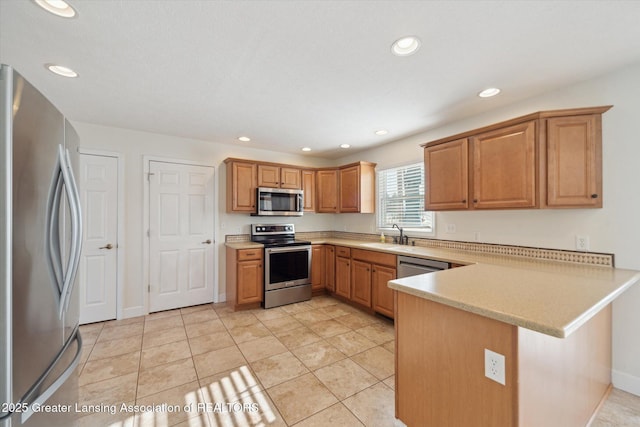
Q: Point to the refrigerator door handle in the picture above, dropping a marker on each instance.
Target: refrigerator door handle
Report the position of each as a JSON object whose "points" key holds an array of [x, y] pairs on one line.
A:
{"points": [[45, 395], [76, 227], [52, 232], [76, 230]]}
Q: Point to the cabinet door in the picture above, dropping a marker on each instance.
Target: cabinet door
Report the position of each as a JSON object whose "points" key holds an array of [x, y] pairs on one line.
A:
{"points": [[361, 282], [309, 190], [250, 281], [350, 189], [241, 187], [504, 168], [574, 162], [290, 178], [327, 188], [382, 294], [446, 169], [330, 275], [268, 176], [317, 267], [343, 277]]}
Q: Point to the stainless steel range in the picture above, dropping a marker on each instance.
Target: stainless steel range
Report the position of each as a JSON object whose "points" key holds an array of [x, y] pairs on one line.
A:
{"points": [[287, 272]]}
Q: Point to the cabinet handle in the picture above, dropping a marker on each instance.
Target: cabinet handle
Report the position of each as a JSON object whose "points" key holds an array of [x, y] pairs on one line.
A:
{"points": [[464, 201], [594, 196], [475, 200]]}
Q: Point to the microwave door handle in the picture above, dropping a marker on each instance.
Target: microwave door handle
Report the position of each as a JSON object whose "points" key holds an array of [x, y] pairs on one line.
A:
{"points": [[300, 202]]}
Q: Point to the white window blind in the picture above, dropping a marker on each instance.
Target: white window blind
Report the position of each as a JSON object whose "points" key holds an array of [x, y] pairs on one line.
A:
{"points": [[401, 198]]}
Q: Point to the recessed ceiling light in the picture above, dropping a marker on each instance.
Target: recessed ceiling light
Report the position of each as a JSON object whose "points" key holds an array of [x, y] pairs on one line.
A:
{"points": [[244, 139], [345, 146], [306, 149], [57, 7], [488, 93], [61, 71], [381, 132], [405, 46]]}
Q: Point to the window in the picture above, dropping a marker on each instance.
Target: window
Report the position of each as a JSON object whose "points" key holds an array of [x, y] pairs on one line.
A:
{"points": [[401, 198]]}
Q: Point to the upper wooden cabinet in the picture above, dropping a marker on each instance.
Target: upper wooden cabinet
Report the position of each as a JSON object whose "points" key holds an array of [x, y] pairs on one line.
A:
{"points": [[504, 168], [447, 167], [327, 190], [549, 159], [574, 161], [309, 189], [357, 188], [348, 188], [241, 186], [279, 177]]}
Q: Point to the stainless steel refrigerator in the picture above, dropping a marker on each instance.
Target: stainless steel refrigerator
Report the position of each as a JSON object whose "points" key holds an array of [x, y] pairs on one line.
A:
{"points": [[40, 238]]}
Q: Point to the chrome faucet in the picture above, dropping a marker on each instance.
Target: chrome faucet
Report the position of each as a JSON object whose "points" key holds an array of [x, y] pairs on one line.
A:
{"points": [[402, 236]]}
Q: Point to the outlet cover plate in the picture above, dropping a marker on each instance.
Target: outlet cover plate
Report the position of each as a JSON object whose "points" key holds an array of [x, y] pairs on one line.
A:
{"points": [[494, 366]]}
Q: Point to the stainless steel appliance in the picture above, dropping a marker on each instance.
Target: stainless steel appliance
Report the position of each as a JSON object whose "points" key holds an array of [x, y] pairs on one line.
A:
{"points": [[411, 266], [41, 235], [279, 202], [287, 271]]}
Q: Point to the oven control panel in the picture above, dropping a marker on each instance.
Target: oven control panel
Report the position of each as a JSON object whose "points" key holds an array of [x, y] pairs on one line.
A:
{"points": [[271, 229]]}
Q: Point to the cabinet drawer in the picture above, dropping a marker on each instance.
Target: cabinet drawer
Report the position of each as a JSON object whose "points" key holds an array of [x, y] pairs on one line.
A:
{"points": [[343, 252], [246, 254], [374, 257]]}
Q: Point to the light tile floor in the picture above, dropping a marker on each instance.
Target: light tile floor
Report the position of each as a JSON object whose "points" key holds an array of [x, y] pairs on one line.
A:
{"points": [[316, 363]]}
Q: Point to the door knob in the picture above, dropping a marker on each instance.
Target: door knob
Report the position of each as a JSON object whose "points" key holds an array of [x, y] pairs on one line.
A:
{"points": [[208, 241], [108, 246]]}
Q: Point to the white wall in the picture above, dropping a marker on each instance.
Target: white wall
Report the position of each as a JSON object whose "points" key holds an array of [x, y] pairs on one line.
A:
{"points": [[614, 228], [133, 146]]}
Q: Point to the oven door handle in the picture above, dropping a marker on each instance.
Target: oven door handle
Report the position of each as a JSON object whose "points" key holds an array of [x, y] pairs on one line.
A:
{"points": [[288, 249]]}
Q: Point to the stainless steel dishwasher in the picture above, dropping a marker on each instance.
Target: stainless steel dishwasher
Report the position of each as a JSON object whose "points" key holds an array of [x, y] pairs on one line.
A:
{"points": [[411, 266]]}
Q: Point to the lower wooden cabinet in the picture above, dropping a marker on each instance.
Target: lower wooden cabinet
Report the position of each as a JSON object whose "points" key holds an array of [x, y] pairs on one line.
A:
{"points": [[330, 271], [382, 294], [361, 282], [343, 277], [318, 268], [245, 278]]}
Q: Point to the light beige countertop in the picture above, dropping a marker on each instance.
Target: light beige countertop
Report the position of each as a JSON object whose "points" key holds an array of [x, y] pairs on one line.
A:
{"points": [[554, 298]]}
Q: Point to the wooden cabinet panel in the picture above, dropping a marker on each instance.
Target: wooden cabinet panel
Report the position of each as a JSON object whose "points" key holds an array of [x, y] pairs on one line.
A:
{"points": [[330, 275], [343, 251], [318, 268], [250, 281], [383, 295], [446, 168], [504, 168], [357, 187], [290, 178], [272, 176], [343, 277], [361, 282], [327, 190], [574, 161], [247, 254], [309, 190], [241, 186], [374, 257]]}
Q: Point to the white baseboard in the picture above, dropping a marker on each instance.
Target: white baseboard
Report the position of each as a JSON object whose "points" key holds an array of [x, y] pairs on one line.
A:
{"points": [[132, 312], [625, 382]]}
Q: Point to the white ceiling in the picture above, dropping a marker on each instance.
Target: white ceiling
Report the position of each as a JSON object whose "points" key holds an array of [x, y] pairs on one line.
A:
{"points": [[291, 74]]}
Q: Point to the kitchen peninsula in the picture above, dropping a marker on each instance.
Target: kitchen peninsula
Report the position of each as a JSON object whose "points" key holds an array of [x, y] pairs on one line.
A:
{"points": [[551, 321]]}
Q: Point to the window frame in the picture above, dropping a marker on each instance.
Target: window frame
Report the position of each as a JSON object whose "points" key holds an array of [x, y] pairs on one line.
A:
{"points": [[415, 231]]}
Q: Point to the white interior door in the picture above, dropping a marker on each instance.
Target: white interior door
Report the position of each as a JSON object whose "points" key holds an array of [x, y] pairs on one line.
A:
{"points": [[181, 219], [98, 184]]}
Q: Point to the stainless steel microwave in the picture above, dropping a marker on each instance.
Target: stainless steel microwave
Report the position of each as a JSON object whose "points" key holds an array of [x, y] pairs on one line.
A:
{"points": [[279, 202]]}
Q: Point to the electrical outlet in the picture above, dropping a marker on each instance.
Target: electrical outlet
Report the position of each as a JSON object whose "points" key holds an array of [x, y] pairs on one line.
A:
{"points": [[582, 242], [494, 366], [451, 228]]}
